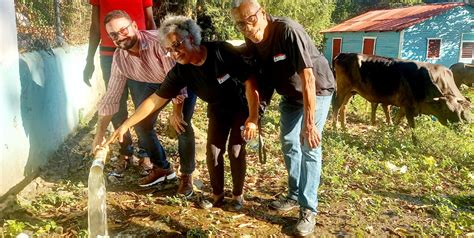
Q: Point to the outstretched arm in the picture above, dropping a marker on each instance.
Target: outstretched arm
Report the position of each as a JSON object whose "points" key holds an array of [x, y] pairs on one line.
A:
{"points": [[99, 139], [150, 105]]}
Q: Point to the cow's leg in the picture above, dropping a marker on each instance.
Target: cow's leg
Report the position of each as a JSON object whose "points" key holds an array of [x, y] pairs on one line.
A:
{"points": [[400, 115], [373, 112], [336, 105], [342, 110], [386, 110], [337, 102], [410, 115]]}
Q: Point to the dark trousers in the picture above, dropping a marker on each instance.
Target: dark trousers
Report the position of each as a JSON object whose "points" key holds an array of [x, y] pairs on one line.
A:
{"points": [[223, 125], [147, 138], [122, 114]]}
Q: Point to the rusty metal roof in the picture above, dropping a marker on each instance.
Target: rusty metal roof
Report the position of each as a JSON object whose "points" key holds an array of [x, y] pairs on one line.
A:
{"points": [[392, 19]]}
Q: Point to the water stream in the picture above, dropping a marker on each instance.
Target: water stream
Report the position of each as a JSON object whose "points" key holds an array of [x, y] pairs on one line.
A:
{"points": [[97, 207]]}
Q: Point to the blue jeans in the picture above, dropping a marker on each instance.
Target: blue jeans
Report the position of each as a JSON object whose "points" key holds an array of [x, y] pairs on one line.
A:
{"points": [[122, 114], [186, 140], [302, 163], [147, 137]]}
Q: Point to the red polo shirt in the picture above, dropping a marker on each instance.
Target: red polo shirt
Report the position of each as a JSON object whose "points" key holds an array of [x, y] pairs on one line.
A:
{"points": [[134, 8]]}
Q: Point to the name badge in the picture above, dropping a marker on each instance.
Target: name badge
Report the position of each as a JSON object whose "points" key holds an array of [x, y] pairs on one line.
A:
{"points": [[279, 57], [223, 78]]}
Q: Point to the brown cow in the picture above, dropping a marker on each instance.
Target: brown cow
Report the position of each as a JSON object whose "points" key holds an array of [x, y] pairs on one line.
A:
{"points": [[463, 74], [415, 87]]}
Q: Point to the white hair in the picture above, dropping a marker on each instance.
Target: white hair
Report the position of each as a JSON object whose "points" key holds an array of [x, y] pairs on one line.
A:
{"points": [[181, 25], [237, 3]]}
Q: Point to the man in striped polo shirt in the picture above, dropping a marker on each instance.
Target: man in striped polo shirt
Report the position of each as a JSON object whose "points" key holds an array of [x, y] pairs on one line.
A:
{"points": [[141, 63], [142, 13]]}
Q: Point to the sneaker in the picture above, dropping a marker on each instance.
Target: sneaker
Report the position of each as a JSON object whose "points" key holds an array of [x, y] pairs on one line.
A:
{"points": [[306, 222], [284, 204], [206, 204], [237, 204], [186, 185], [157, 175]]}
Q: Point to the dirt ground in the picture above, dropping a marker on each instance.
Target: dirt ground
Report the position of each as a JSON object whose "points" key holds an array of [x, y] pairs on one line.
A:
{"points": [[157, 211], [55, 203]]}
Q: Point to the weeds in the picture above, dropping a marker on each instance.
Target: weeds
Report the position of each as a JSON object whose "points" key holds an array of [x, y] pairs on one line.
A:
{"points": [[375, 182]]}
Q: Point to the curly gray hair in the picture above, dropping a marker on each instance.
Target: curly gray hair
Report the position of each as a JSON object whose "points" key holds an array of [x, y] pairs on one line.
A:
{"points": [[181, 25], [237, 3]]}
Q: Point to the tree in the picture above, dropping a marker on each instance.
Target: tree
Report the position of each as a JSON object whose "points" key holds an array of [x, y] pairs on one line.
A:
{"points": [[313, 15], [214, 15]]}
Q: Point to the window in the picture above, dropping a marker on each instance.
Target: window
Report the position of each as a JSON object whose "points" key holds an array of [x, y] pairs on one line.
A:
{"points": [[433, 48], [467, 50], [336, 47], [368, 46]]}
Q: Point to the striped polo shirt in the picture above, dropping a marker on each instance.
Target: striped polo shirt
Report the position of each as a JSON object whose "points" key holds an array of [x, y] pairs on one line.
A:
{"points": [[150, 66]]}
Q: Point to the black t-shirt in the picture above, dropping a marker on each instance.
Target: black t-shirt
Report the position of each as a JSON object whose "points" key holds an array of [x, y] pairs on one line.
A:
{"points": [[219, 81], [287, 51]]}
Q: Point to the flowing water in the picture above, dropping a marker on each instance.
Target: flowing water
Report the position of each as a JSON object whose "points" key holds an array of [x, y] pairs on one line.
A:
{"points": [[97, 207]]}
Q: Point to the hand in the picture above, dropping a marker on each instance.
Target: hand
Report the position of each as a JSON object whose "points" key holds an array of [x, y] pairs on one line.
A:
{"points": [[99, 142], [87, 73], [250, 130], [310, 134], [177, 122], [118, 134], [178, 99]]}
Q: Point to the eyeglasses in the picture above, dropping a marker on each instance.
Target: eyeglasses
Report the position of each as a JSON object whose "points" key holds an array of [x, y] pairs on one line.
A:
{"points": [[175, 46], [122, 32], [250, 20]]}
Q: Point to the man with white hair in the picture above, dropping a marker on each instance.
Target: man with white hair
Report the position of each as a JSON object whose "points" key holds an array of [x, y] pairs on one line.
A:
{"points": [[292, 66]]}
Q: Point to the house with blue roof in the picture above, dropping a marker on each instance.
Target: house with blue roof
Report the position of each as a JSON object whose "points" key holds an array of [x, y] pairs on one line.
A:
{"points": [[435, 33]]}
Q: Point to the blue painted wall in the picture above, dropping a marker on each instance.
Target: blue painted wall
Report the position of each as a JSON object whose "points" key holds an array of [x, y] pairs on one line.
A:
{"points": [[42, 99], [448, 26], [386, 44]]}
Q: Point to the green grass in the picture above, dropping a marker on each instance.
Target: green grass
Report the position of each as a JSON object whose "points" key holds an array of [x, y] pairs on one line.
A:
{"points": [[375, 182]]}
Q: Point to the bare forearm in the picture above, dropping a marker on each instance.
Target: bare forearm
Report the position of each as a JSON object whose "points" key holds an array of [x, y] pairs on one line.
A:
{"points": [[253, 100], [102, 124], [94, 34], [178, 108], [149, 21], [309, 95]]}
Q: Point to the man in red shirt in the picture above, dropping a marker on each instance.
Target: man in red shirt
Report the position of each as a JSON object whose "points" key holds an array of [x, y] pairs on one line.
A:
{"points": [[141, 12]]}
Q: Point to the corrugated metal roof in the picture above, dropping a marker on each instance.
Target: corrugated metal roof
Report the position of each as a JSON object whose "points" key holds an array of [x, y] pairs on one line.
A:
{"points": [[392, 19]]}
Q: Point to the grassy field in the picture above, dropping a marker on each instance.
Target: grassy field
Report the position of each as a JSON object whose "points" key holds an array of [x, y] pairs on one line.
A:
{"points": [[375, 182]]}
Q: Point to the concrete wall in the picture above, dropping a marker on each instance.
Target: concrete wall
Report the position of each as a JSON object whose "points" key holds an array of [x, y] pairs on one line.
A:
{"points": [[42, 98], [448, 26]]}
